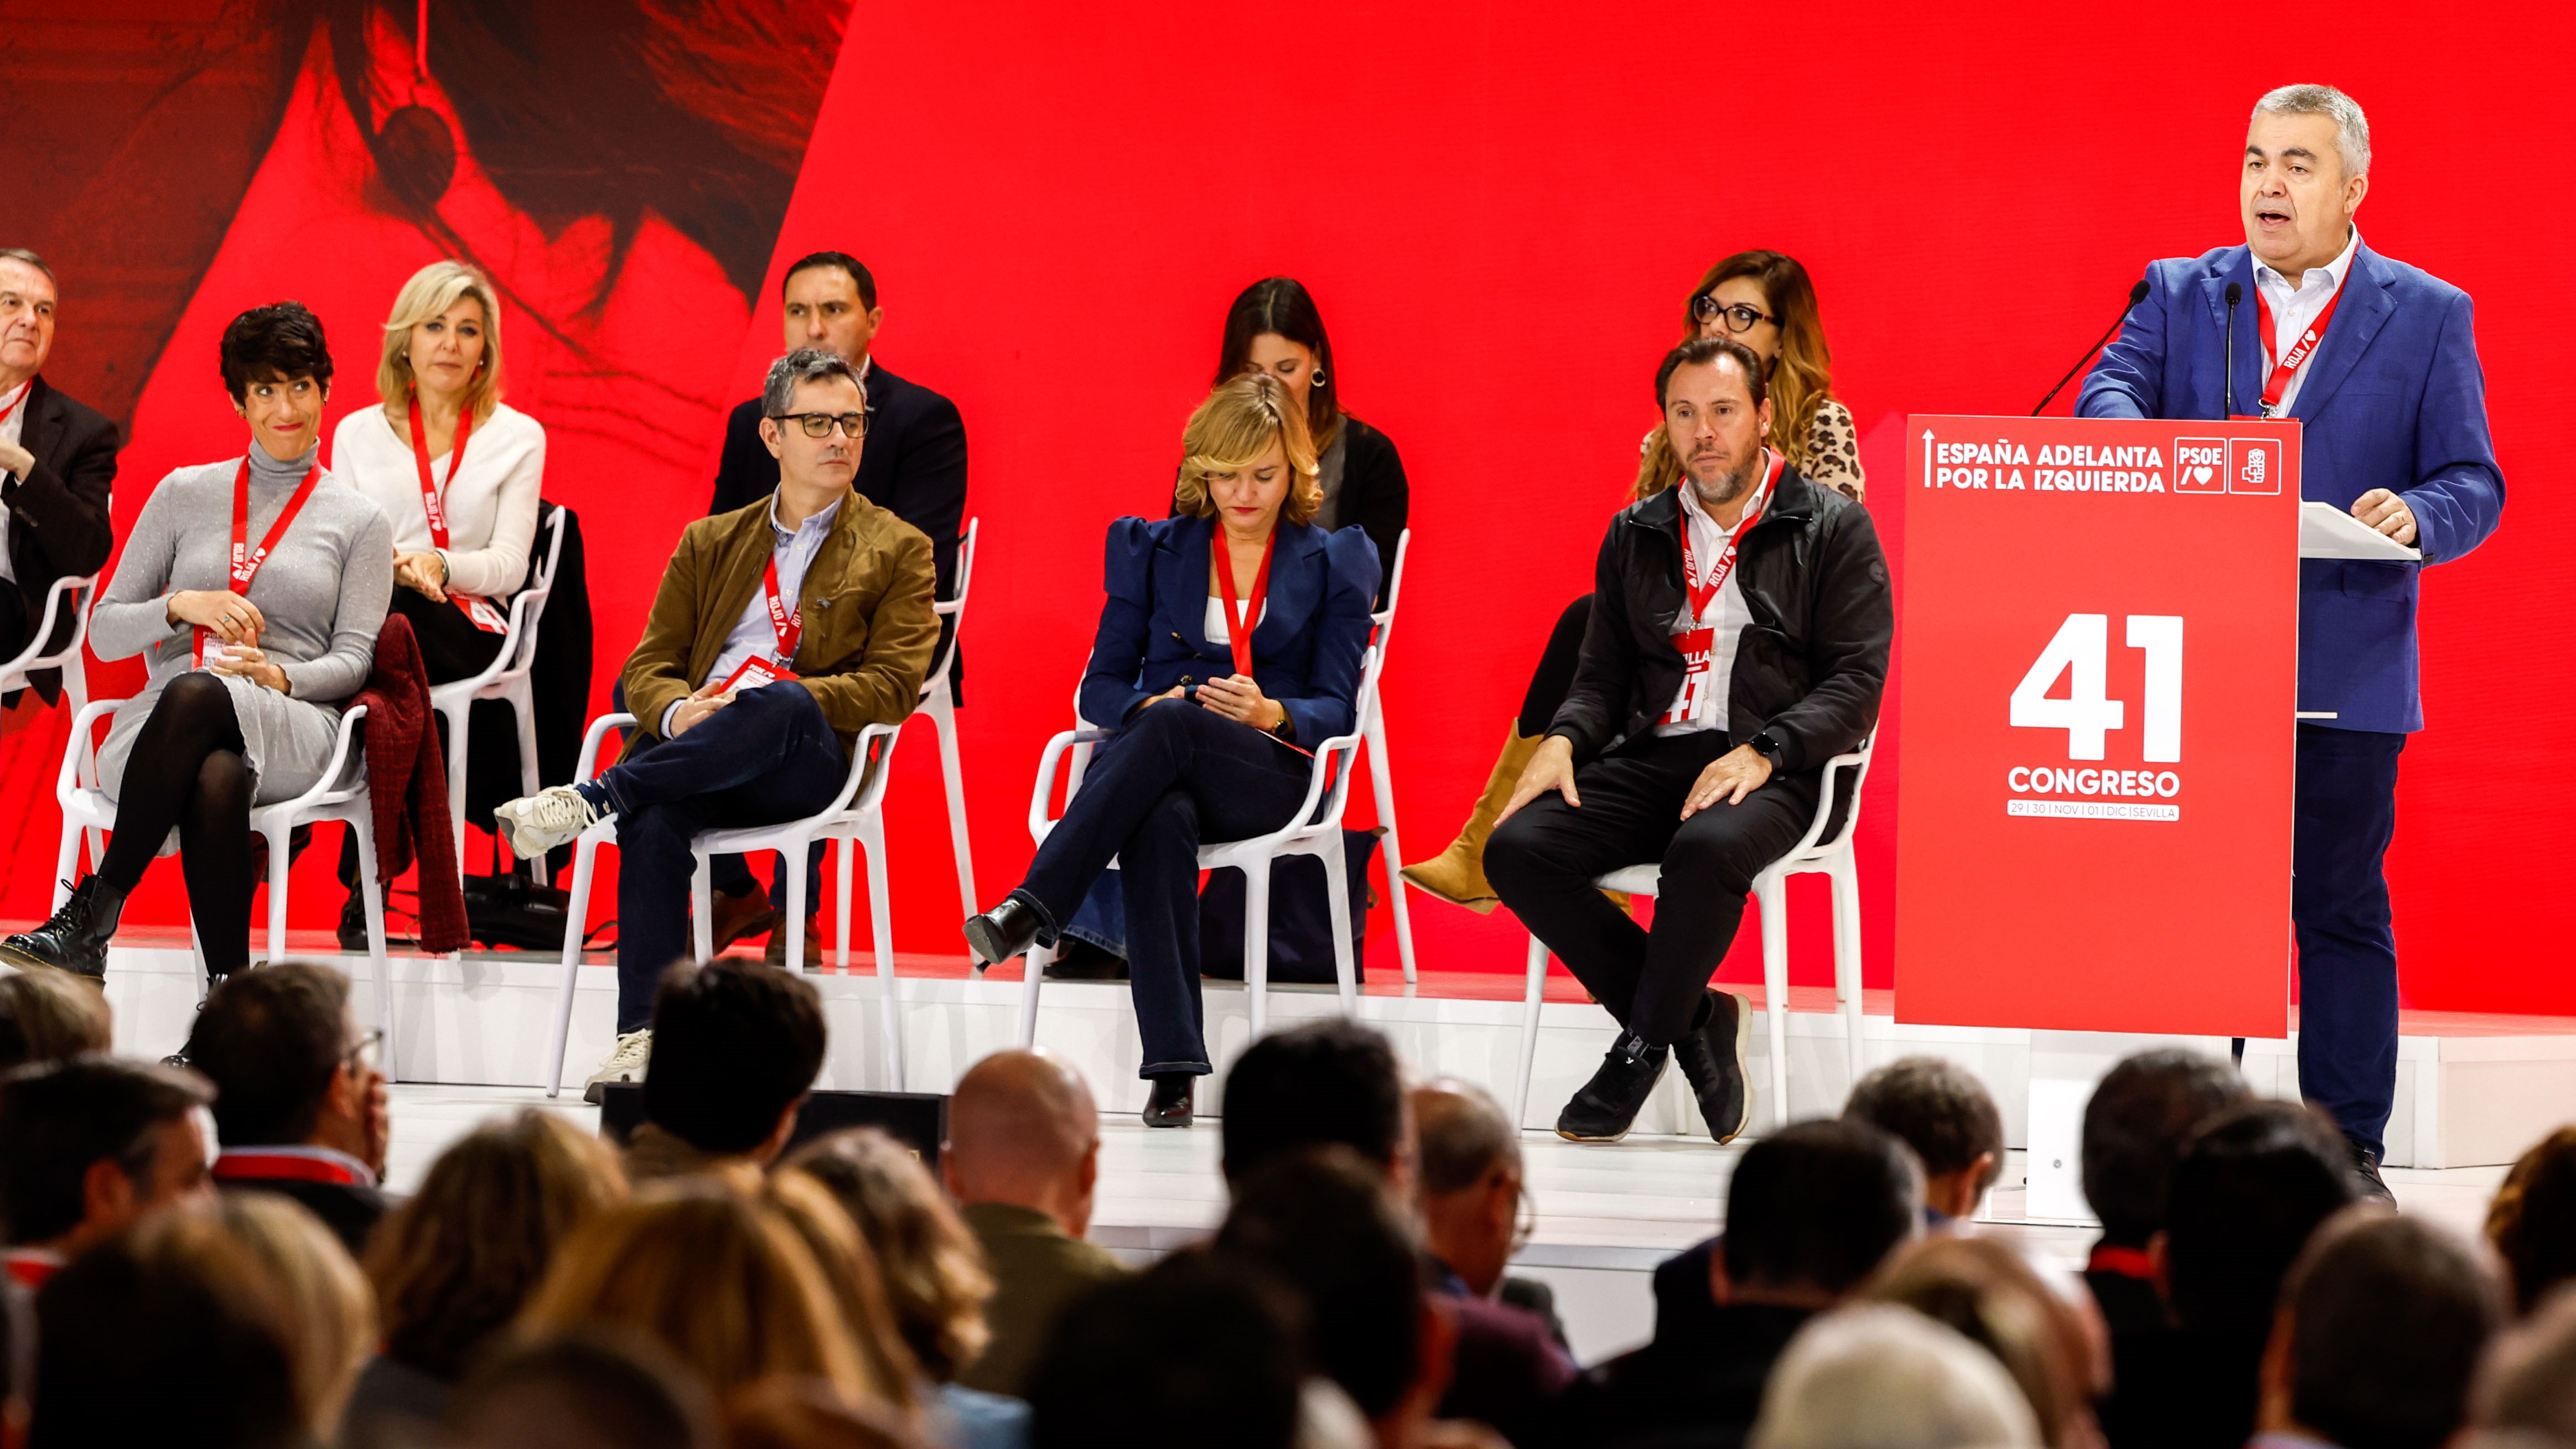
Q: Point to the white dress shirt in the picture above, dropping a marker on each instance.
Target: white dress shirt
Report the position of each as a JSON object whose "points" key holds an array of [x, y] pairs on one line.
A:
{"points": [[491, 506], [793, 550], [12, 428], [1726, 616], [2294, 307]]}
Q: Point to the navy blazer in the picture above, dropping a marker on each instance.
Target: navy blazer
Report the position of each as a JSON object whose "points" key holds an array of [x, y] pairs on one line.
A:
{"points": [[2393, 399], [1305, 650]]}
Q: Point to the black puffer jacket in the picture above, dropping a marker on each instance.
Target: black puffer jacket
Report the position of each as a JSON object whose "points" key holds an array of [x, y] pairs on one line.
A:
{"points": [[1809, 668]]}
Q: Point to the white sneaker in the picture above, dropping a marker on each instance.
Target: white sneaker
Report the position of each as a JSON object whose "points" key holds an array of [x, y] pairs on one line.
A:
{"points": [[534, 824], [625, 1064]]}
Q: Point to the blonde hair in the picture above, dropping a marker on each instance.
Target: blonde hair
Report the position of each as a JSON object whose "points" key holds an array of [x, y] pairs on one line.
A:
{"points": [[1995, 1297], [1802, 372], [327, 1314], [851, 1267], [46, 1016], [1236, 425], [933, 1268], [430, 292]]}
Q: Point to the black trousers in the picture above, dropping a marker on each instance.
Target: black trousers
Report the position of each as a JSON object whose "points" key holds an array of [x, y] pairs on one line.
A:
{"points": [[15, 627], [1555, 673], [1542, 862], [2346, 815]]}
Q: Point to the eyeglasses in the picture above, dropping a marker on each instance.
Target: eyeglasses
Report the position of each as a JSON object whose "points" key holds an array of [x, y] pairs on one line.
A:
{"points": [[363, 1054], [819, 425], [1740, 316]]}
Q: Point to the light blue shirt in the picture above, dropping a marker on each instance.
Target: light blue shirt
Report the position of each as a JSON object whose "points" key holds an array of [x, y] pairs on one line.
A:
{"points": [[793, 550]]}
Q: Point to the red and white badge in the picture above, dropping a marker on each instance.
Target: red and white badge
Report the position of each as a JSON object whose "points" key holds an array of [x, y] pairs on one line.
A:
{"points": [[2301, 349], [786, 626], [1697, 642], [247, 561], [434, 504]]}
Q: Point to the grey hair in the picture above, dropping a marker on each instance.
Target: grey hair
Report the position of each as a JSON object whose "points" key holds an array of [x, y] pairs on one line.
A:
{"points": [[2352, 129], [805, 364], [21, 254]]}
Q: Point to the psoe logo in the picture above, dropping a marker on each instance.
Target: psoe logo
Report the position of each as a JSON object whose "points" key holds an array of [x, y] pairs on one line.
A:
{"points": [[2200, 465], [2253, 465]]}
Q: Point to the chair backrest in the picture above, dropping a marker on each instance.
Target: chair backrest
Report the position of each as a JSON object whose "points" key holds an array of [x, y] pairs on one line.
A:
{"points": [[78, 594], [1857, 761], [1384, 618], [528, 607], [954, 609]]}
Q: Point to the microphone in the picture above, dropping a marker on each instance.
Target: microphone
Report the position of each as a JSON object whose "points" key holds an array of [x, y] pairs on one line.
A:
{"points": [[2137, 294], [2235, 294]]}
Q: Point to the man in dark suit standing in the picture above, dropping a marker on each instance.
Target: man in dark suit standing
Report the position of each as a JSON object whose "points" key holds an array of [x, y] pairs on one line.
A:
{"points": [[2379, 361], [57, 463]]}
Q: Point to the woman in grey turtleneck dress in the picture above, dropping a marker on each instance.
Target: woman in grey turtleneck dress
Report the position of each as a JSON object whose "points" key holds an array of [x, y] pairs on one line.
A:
{"points": [[205, 743]]}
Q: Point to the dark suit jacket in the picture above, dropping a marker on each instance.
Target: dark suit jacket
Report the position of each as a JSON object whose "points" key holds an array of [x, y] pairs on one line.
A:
{"points": [[58, 518], [1697, 1386], [350, 1210], [1372, 495]]}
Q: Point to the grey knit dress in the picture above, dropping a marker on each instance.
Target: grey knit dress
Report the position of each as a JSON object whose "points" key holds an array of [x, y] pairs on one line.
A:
{"points": [[323, 591]]}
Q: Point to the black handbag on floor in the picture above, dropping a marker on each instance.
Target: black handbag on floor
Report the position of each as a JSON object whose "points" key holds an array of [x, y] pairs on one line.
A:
{"points": [[1301, 929]]}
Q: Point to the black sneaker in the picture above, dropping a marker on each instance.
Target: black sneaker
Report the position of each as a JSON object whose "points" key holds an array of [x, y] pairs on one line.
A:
{"points": [[1712, 1061], [2365, 1174], [1608, 1104]]}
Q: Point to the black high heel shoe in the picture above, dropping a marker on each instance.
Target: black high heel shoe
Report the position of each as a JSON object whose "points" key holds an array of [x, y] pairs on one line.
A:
{"points": [[1172, 1104]]}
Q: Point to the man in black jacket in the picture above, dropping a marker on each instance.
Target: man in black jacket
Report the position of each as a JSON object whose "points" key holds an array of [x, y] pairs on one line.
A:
{"points": [[57, 463], [1713, 685]]}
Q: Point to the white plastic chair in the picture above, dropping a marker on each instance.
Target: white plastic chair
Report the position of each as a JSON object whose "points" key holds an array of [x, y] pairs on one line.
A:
{"points": [[1315, 829], [939, 706], [1812, 854], [340, 794], [1390, 855], [504, 679], [856, 815], [79, 594]]}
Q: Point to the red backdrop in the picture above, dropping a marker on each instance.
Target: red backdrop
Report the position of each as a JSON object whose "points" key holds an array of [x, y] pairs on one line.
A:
{"points": [[1499, 207]]}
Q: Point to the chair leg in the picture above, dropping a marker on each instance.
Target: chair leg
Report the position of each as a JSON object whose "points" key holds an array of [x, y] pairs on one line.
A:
{"points": [[1256, 943], [794, 859], [456, 716], [1337, 914], [1772, 893], [702, 908], [943, 722], [374, 902], [278, 843], [576, 916], [1035, 964], [523, 709], [1845, 878], [1390, 855], [841, 849], [1533, 993], [881, 928]]}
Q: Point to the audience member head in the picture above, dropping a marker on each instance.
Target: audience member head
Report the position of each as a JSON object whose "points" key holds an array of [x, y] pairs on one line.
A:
{"points": [[1023, 1130], [2525, 1395], [1875, 1376], [27, 299], [1943, 1113], [719, 1279], [1275, 328], [829, 302], [935, 1280], [2136, 1125], [593, 1387], [1813, 1209], [1198, 1349], [277, 366], [736, 1047], [1995, 1297], [289, 1064], [1248, 446], [1328, 1081], [90, 1144], [1470, 1170], [1321, 1222], [454, 1264], [2251, 1187], [444, 338], [2382, 1322], [330, 1315], [45, 1015], [169, 1334], [809, 389], [785, 1413], [850, 1269], [2532, 1221], [1764, 301]]}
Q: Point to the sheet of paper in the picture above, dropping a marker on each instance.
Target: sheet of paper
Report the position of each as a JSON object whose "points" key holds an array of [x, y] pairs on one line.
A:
{"points": [[2326, 531]]}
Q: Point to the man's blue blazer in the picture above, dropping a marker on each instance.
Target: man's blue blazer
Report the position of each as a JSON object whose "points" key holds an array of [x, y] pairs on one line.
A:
{"points": [[2393, 399]]}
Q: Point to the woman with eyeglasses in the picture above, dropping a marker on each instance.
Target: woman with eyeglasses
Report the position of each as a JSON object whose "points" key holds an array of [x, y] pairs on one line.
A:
{"points": [[1763, 300]]}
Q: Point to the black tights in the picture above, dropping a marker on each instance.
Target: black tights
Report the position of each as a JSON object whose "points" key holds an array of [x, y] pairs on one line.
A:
{"points": [[1554, 677], [187, 770]]}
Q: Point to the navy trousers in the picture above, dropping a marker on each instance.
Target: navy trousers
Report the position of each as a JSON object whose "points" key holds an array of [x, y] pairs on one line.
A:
{"points": [[768, 757], [2347, 810], [1175, 776]]}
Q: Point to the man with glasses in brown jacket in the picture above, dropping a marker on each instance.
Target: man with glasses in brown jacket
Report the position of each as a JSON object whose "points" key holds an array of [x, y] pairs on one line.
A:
{"points": [[781, 630]]}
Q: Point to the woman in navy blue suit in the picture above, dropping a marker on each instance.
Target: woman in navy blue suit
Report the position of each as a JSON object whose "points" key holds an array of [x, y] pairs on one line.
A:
{"points": [[1212, 737]]}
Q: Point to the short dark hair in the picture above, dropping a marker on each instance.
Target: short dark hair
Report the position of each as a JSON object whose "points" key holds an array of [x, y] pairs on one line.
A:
{"points": [[1936, 1108], [1197, 1349], [633, 1391], [804, 365], [2389, 1317], [21, 254], [860, 276], [1320, 1222], [271, 1040], [2135, 1128], [2532, 1221], [1820, 1204], [735, 1043], [1282, 307], [2252, 1186], [1700, 350], [56, 1118], [1326, 1081], [275, 343]]}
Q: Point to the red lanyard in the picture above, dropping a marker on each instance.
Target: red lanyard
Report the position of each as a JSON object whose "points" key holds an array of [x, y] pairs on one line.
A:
{"points": [[1702, 594], [788, 626], [431, 500], [1241, 615], [245, 560], [2127, 1262], [28, 387], [257, 1166], [2288, 366]]}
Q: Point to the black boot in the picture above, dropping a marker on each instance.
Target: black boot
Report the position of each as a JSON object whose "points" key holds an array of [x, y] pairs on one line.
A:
{"points": [[75, 940], [1079, 960], [1608, 1104], [353, 921], [1173, 1101], [1005, 931], [1711, 1054]]}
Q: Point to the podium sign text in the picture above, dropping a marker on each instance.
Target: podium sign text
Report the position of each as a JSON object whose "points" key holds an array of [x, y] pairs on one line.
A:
{"points": [[2100, 656]]}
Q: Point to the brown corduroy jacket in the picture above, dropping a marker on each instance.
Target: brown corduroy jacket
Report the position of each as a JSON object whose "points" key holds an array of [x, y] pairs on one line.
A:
{"points": [[869, 626]]}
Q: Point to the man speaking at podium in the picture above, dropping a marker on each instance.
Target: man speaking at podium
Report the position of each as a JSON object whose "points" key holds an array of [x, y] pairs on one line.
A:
{"points": [[2377, 361]]}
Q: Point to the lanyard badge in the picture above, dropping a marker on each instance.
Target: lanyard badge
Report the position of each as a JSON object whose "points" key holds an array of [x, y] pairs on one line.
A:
{"points": [[245, 560], [486, 616]]}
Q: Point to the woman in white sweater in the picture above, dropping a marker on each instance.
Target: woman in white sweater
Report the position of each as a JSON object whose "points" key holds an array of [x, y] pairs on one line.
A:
{"points": [[455, 470]]}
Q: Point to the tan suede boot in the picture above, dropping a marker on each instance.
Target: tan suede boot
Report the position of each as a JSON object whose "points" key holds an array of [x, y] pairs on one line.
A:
{"points": [[1457, 875]]}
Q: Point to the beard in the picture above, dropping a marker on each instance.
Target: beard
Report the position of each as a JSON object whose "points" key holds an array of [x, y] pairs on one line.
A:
{"points": [[1728, 486]]}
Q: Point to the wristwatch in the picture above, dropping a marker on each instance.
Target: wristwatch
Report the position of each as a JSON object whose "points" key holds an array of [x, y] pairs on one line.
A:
{"points": [[1770, 747]]}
